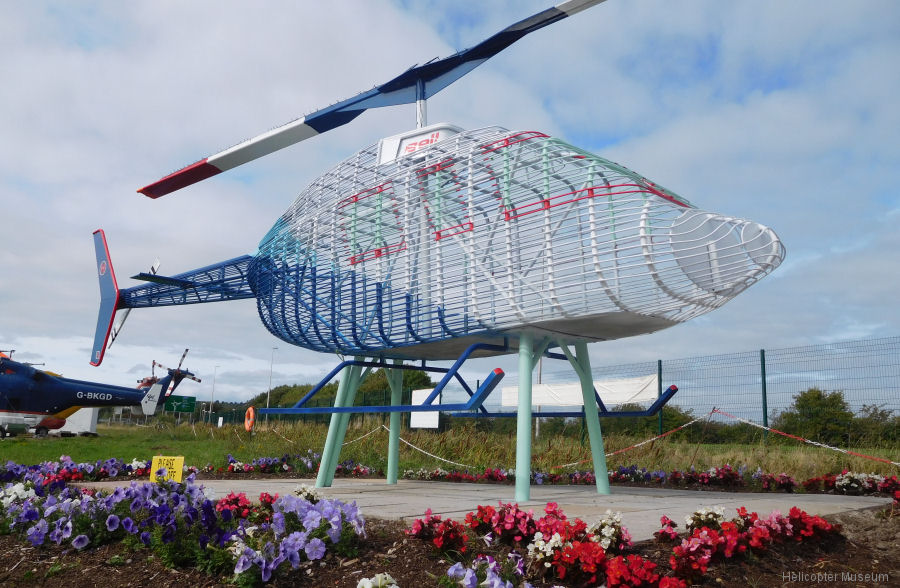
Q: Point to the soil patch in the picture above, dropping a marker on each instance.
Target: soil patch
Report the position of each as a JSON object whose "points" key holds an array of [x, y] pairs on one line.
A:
{"points": [[866, 553]]}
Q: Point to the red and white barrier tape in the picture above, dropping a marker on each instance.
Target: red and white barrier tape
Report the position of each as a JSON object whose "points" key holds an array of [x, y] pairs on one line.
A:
{"points": [[378, 428], [430, 454], [816, 443], [636, 445]]}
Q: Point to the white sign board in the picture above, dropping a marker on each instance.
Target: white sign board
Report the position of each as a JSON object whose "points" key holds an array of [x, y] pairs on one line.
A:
{"points": [[423, 420], [612, 392]]}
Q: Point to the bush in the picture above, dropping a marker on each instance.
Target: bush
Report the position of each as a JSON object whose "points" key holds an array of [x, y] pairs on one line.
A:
{"points": [[818, 416]]}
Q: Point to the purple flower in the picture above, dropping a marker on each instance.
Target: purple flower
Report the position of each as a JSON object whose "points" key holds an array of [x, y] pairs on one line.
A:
{"points": [[315, 549], [168, 534], [112, 523], [469, 579], [278, 523], [37, 532], [242, 565], [312, 519], [80, 542], [145, 538], [129, 525]]}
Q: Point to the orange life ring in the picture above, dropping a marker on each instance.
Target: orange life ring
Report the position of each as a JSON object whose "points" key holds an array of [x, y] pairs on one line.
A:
{"points": [[249, 419]]}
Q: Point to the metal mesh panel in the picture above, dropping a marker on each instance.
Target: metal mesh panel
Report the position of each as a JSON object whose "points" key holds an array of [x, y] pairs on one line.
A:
{"points": [[867, 372]]}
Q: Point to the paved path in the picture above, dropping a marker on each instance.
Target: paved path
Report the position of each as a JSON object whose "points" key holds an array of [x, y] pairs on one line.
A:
{"points": [[641, 508]]}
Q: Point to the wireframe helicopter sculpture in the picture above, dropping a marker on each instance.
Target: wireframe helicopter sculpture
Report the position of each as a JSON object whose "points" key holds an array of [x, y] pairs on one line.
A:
{"points": [[441, 243]]}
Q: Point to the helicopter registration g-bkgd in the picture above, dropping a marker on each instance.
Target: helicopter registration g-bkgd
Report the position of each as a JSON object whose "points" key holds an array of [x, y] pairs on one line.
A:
{"points": [[36, 399]]}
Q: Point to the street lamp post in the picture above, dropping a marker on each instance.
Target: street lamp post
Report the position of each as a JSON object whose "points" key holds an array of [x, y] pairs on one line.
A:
{"points": [[269, 393], [212, 396]]}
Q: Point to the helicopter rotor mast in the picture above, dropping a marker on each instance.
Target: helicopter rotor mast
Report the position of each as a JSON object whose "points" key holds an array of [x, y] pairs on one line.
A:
{"points": [[412, 86]]}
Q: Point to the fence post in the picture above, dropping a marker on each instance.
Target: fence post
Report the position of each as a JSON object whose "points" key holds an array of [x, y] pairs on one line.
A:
{"points": [[765, 408], [659, 388]]}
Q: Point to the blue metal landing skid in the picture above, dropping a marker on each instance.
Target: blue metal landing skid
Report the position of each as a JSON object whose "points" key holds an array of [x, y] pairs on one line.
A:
{"points": [[476, 398], [603, 412], [473, 408]]}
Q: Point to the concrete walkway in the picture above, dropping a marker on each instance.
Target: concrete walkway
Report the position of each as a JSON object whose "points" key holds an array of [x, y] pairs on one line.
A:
{"points": [[641, 508]]}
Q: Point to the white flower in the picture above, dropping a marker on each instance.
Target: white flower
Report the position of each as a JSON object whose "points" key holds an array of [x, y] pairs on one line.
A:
{"points": [[382, 580], [307, 493], [236, 548]]}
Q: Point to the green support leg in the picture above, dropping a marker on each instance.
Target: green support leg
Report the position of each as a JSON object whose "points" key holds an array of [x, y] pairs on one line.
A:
{"points": [[395, 381], [593, 421], [344, 420], [322, 476], [523, 429]]}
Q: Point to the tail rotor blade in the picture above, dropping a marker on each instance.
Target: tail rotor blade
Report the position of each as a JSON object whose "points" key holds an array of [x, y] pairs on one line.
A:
{"points": [[118, 327], [183, 355], [121, 323]]}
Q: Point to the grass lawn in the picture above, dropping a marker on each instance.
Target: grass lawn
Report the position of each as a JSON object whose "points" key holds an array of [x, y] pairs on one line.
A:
{"points": [[201, 444]]}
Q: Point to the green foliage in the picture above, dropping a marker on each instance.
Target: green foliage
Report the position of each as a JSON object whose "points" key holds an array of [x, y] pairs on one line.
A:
{"points": [[214, 561], [875, 426], [116, 560], [181, 550], [56, 569], [818, 415]]}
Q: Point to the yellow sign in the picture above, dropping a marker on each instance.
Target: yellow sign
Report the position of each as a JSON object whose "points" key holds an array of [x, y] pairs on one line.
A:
{"points": [[173, 465]]}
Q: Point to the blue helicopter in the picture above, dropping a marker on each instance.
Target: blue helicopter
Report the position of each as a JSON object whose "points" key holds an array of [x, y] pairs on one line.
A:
{"points": [[36, 399]]}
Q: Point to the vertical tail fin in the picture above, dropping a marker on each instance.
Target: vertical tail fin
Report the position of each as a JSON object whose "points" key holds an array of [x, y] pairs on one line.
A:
{"points": [[109, 297], [154, 396]]}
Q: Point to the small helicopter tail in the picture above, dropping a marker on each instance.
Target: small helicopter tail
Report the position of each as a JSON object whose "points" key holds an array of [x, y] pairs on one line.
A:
{"points": [[154, 396], [109, 297], [159, 390]]}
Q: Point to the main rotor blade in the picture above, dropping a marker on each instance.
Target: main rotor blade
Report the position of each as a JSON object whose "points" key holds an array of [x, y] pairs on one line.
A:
{"points": [[434, 76]]}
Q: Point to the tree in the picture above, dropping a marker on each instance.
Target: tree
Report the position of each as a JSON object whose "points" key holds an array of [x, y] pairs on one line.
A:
{"points": [[817, 415], [875, 426]]}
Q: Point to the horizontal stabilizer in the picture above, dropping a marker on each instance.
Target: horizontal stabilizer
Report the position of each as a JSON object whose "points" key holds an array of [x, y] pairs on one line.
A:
{"points": [[164, 280]]}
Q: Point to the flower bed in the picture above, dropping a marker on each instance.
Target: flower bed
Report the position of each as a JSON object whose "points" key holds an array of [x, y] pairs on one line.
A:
{"points": [[252, 541], [306, 464], [179, 522], [554, 549]]}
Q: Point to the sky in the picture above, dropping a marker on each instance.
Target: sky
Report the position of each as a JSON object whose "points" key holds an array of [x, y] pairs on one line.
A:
{"points": [[785, 113]]}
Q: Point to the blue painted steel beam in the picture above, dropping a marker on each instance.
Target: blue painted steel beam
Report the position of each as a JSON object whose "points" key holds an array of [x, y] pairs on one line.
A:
{"points": [[603, 413], [475, 402]]}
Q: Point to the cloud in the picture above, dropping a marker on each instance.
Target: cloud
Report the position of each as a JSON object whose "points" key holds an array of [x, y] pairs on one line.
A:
{"points": [[784, 113]]}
